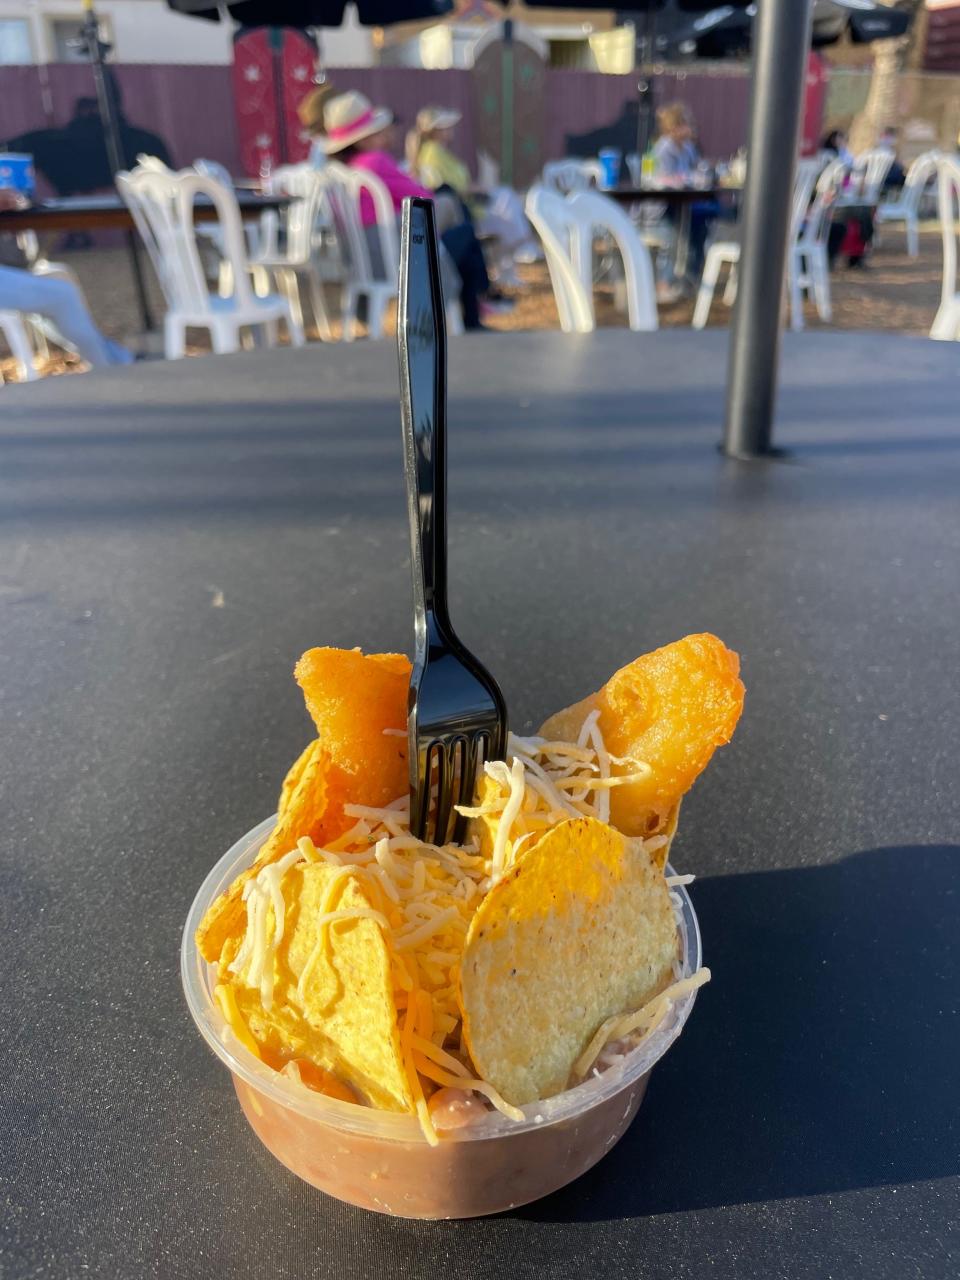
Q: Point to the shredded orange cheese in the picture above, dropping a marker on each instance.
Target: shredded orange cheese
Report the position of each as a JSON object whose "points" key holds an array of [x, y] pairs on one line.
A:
{"points": [[423, 897]]}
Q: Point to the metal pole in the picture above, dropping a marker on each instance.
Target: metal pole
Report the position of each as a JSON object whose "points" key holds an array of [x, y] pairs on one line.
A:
{"points": [[646, 106], [506, 104], [90, 33], [781, 41]]}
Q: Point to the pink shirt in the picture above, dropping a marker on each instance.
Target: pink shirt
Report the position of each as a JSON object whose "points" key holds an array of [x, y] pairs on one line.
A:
{"points": [[398, 183]]}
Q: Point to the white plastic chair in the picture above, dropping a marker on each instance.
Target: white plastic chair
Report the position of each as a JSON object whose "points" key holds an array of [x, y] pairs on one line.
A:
{"points": [[906, 207], [567, 229], [727, 252], [565, 176], [869, 172], [14, 329], [373, 276], [295, 260], [377, 282], [556, 225], [161, 204], [809, 264], [946, 324]]}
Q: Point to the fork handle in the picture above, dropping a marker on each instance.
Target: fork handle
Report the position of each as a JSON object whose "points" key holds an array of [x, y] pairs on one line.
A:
{"points": [[422, 342]]}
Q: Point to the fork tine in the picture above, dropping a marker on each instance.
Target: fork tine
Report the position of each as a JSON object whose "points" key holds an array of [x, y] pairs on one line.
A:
{"points": [[471, 757], [420, 795], [445, 760]]}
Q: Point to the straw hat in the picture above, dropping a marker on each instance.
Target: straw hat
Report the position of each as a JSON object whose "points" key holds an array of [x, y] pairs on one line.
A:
{"points": [[311, 105], [431, 118], [350, 117]]}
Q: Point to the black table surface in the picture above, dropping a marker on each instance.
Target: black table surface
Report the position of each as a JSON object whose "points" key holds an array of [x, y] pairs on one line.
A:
{"points": [[174, 535]]}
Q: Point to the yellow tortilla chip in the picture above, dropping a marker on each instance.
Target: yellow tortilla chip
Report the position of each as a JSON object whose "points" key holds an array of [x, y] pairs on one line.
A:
{"points": [[342, 1017], [302, 811], [671, 709], [579, 930]]}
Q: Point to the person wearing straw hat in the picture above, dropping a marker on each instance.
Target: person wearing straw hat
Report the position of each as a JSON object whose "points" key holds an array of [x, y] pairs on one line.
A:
{"points": [[310, 113], [359, 135], [498, 214]]}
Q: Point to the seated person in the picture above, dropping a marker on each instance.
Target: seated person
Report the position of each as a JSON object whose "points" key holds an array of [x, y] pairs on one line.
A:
{"points": [[359, 135], [60, 302], [497, 215], [310, 113], [677, 158], [896, 174]]}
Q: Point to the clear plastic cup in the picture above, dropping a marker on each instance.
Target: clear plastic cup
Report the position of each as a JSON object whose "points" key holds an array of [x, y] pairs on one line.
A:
{"points": [[380, 1160]]}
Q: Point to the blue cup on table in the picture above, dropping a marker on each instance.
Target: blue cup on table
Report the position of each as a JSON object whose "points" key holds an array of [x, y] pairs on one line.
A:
{"points": [[17, 173], [609, 158]]}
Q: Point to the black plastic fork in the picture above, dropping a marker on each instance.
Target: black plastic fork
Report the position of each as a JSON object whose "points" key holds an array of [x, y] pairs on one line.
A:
{"points": [[457, 717]]}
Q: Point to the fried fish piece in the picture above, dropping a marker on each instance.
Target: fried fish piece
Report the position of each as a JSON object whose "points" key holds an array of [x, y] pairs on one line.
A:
{"points": [[359, 704], [670, 709]]}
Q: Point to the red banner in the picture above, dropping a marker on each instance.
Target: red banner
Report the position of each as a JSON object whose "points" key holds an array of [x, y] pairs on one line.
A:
{"points": [[272, 71], [814, 101]]}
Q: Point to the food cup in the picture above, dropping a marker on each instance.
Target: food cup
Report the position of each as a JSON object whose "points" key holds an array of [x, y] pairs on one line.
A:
{"points": [[380, 1160]]}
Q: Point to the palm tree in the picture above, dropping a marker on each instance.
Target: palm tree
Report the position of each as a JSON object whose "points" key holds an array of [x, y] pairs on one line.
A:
{"points": [[890, 58]]}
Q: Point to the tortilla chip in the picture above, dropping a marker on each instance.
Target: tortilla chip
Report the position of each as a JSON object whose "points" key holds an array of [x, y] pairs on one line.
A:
{"points": [[303, 808], [579, 930], [353, 697], [347, 1022], [671, 709]]}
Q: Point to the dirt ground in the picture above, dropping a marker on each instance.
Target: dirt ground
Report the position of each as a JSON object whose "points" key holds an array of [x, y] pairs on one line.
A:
{"points": [[891, 293]]}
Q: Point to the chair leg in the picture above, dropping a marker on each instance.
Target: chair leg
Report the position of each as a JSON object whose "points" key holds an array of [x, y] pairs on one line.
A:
{"points": [[349, 311], [16, 335], [913, 236], [174, 337], [319, 305], [261, 281], [730, 292], [225, 278], [708, 282], [294, 330], [290, 288], [796, 292], [946, 324], [820, 277], [224, 335], [377, 305]]}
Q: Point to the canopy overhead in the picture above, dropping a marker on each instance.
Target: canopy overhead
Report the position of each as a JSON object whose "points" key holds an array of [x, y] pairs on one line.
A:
{"points": [[726, 29], [313, 13]]}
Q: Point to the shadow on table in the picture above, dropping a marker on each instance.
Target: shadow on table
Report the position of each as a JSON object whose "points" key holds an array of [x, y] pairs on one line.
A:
{"points": [[823, 1056]]}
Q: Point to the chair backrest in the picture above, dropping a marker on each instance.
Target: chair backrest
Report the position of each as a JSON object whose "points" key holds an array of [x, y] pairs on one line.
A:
{"points": [[214, 169], [870, 169], [304, 183], [564, 176], [162, 204], [147, 161], [808, 170], [558, 228], [948, 199], [594, 212], [918, 178], [345, 189], [813, 229]]}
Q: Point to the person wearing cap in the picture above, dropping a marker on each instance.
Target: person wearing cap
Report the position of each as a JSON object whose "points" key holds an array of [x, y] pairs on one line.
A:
{"points": [[498, 214], [359, 135]]}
